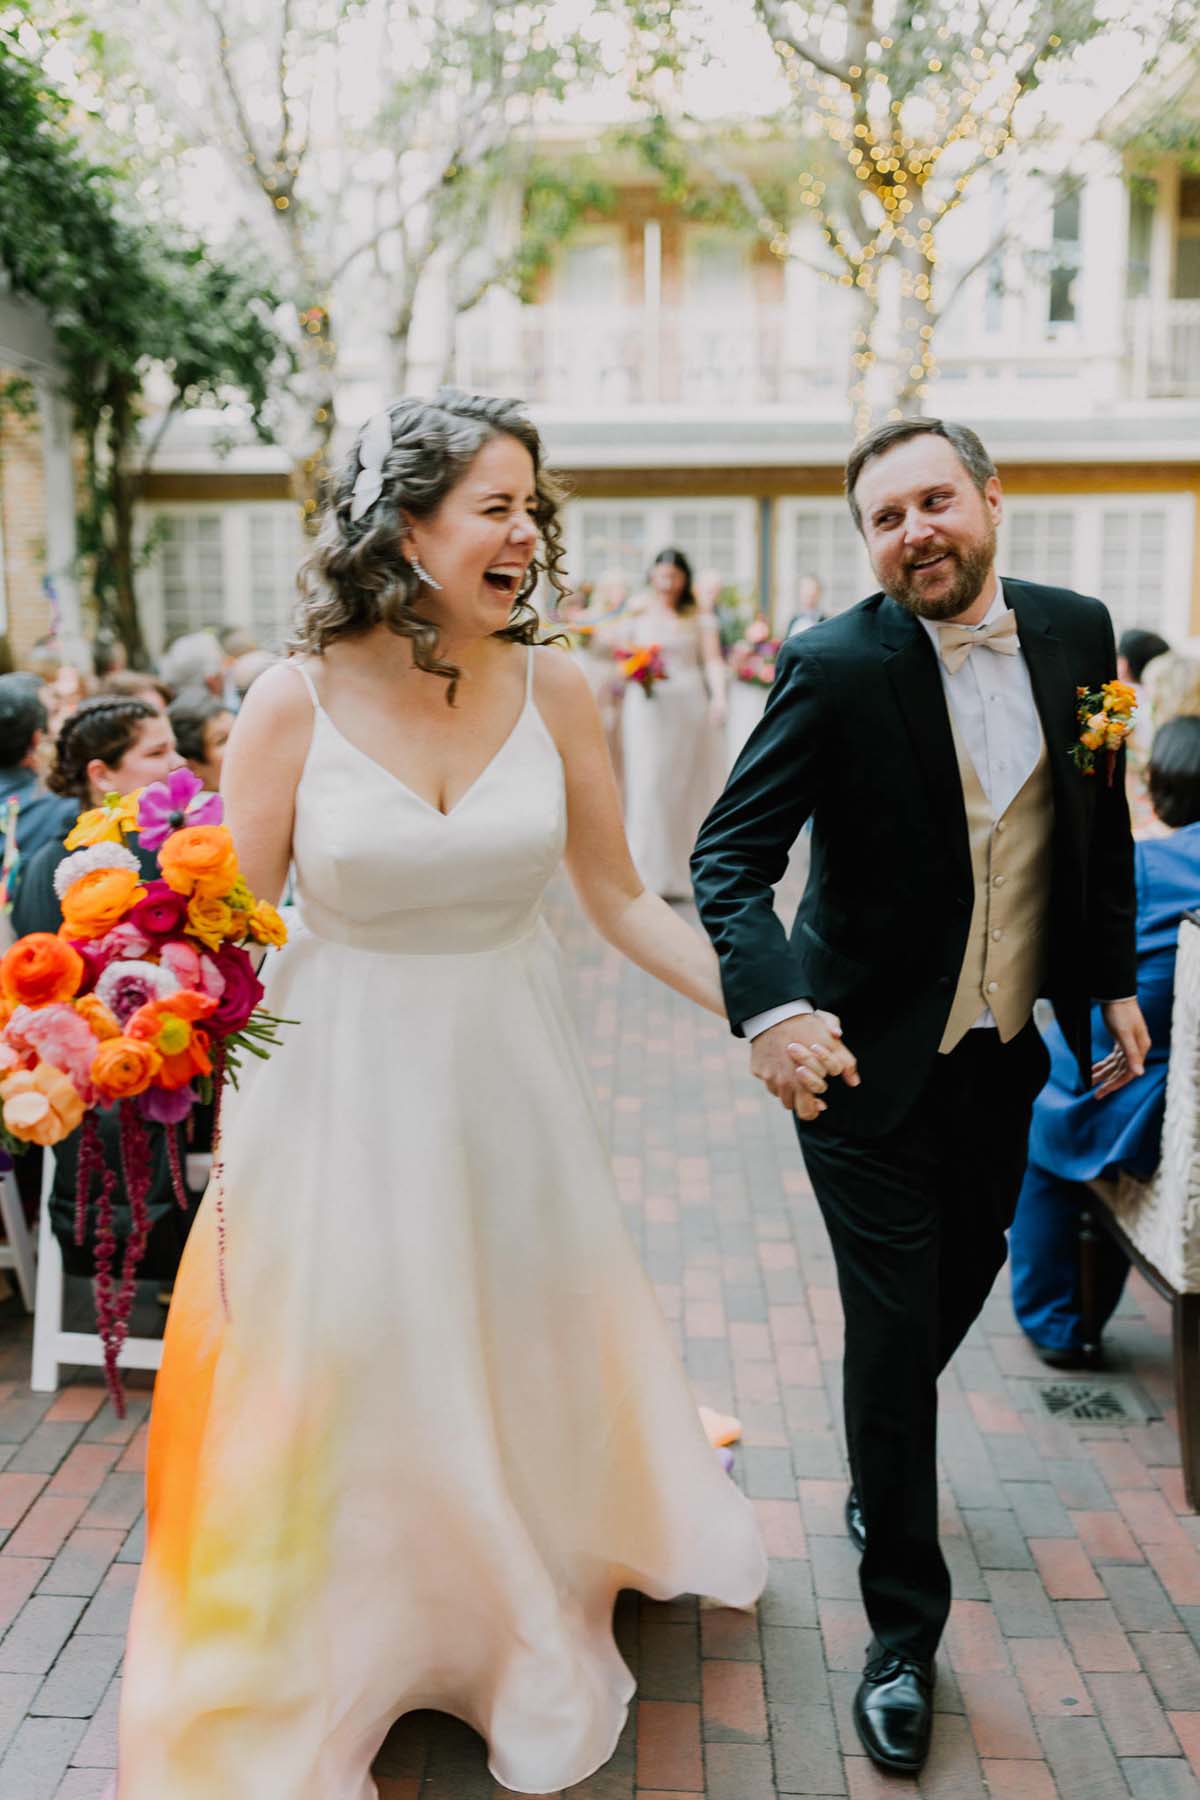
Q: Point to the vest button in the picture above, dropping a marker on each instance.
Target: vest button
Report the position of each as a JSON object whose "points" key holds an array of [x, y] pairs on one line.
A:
{"points": [[992, 986], [997, 935], [999, 824], [999, 881]]}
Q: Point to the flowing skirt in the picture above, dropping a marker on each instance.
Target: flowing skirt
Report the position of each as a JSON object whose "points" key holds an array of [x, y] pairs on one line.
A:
{"points": [[435, 1422]]}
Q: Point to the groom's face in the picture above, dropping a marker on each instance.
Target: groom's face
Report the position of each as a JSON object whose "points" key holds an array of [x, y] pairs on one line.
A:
{"points": [[929, 532]]}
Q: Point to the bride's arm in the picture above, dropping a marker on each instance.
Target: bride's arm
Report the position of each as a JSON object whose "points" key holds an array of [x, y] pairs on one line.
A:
{"points": [[263, 760], [635, 922]]}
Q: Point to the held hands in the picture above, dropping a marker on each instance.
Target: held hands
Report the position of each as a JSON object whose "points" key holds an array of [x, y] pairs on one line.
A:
{"points": [[796, 1060], [1127, 1058]]}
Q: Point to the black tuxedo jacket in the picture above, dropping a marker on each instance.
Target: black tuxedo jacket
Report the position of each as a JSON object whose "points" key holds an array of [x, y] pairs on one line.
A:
{"points": [[856, 736]]}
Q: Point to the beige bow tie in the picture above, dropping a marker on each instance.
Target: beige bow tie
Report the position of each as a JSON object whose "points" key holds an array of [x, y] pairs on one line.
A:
{"points": [[957, 641]]}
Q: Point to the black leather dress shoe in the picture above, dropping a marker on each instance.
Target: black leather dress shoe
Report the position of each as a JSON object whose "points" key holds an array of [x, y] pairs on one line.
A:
{"points": [[1071, 1356], [893, 1710], [856, 1525]]}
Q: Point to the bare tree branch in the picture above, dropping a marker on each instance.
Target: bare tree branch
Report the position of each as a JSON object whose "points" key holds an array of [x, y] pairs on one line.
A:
{"points": [[772, 16]]}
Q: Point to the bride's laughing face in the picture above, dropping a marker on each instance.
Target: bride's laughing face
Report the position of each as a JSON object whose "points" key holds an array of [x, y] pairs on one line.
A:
{"points": [[479, 543]]}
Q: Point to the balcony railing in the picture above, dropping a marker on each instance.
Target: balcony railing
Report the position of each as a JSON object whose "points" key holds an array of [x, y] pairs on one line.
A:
{"points": [[610, 359], [1166, 360]]}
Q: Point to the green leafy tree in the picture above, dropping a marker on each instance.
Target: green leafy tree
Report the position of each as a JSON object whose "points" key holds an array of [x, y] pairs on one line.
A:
{"points": [[122, 298], [369, 142]]}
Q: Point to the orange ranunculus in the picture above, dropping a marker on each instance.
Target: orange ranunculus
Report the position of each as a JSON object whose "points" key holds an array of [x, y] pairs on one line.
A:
{"points": [[124, 1066], [212, 921], [99, 900], [200, 859], [40, 1105], [41, 969], [170, 1025], [103, 1022], [266, 926]]}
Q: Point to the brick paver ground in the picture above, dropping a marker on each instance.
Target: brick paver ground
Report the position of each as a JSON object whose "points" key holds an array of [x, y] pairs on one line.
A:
{"points": [[1070, 1666]]}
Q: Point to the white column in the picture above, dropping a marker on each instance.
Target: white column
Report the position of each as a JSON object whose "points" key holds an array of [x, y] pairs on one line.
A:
{"points": [[1103, 248]]}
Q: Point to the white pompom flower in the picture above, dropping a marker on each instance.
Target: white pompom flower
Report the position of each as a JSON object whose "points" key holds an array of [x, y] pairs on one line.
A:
{"points": [[100, 856]]}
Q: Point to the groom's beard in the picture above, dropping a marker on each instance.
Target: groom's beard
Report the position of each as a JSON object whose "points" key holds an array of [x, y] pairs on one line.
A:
{"points": [[973, 566]]}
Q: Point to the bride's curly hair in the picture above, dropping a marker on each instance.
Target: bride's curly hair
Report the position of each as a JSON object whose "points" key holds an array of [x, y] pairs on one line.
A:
{"points": [[358, 577]]}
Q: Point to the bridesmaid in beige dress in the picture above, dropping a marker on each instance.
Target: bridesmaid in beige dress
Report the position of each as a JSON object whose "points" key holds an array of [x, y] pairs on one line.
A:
{"points": [[674, 736]]}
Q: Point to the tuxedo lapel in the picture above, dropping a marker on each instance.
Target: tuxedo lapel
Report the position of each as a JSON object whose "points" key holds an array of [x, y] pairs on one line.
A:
{"points": [[911, 664], [1054, 695]]}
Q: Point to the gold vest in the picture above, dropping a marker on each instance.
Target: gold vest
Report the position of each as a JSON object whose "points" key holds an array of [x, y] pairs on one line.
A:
{"points": [[1004, 962]]}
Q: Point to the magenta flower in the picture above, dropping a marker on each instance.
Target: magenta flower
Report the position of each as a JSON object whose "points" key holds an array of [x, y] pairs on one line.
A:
{"points": [[167, 806], [167, 1106], [161, 914], [241, 993]]}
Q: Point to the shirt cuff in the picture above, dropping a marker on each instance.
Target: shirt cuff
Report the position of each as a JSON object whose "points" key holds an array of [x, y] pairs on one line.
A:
{"points": [[1118, 1002], [763, 1021]]}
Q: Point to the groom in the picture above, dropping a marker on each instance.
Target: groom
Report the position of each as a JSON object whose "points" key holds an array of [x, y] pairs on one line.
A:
{"points": [[962, 865]]}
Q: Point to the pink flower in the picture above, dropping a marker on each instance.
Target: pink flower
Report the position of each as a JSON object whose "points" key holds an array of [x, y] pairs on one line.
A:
{"points": [[161, 914], [60, 1037], [191, 969], [242, 991], [169, 805], [124, 941]]}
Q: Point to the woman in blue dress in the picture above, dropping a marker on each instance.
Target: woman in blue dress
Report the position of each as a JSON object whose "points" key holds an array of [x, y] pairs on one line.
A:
{"points": [[1075, 1136]]}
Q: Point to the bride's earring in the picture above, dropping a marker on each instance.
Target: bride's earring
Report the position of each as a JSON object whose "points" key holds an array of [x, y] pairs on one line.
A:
{"points": [[422, 573]]}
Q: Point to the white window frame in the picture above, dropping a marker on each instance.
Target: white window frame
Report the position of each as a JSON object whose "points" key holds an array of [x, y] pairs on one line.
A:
{"points": [[235, 558], [658, 514], [1087, 545], [788, 512]]}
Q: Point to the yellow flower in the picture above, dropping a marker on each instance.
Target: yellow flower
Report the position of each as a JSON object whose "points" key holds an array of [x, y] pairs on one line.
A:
{"points": [[1093, 738], [105, 824], [209, 920], [240, 897], [266, 926]]}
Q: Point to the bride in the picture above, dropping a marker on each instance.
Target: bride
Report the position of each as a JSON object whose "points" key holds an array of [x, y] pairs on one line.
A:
{"points": [[419, 1419]]}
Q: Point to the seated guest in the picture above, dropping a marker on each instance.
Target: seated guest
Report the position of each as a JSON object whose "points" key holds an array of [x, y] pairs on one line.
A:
{"points": [[41, 817], [138, 684], [1078, 1137], [111, 745], [1134, 651], [193, 660], [202, 724]]}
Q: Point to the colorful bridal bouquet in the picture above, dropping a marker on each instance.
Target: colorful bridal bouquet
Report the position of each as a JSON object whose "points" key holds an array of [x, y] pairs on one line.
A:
{"points": [[643, 666], [1105, 721], [752, 657], [144, 1001]]}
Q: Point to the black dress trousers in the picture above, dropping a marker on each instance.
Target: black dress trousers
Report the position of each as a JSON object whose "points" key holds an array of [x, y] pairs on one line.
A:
{"points": [[917, 1219]]}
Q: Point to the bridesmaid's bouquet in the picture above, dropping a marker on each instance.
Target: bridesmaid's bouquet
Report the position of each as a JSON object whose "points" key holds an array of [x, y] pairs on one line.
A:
{"points": [[144, 1001], [752, 657], [643, 666]]}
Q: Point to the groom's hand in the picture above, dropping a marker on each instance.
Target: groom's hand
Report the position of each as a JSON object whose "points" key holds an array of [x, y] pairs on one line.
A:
{"points": [[1131, 1041], [796, 1060]]}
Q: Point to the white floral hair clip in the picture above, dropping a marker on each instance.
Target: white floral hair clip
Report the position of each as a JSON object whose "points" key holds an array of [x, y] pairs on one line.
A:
{"points": [[373, 446]]}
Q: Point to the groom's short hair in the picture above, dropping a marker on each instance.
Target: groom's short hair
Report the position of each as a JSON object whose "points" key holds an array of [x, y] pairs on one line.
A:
{"points": [[965, 443]]}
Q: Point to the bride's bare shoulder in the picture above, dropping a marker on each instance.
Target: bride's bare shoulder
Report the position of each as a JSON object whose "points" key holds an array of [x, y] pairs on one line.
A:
{"points": [[281, 702]]}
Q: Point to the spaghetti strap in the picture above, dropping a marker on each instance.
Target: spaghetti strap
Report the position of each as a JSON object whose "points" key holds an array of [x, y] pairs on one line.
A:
{"points": [[307, 679]]}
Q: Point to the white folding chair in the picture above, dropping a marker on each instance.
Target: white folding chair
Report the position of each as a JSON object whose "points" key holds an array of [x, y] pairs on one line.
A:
{"points": [[16, 1252], [54, 1348]]}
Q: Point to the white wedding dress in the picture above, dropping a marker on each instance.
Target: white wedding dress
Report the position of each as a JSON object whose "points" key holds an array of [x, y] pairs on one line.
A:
{"points": [[440, 1421]]}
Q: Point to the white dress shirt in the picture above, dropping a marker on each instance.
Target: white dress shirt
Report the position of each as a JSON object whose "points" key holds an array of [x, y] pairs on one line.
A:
{"points": [[997, 718]]}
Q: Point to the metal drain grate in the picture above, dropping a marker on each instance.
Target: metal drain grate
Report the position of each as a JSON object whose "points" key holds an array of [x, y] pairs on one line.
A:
{"points": [[1092, 1402]]}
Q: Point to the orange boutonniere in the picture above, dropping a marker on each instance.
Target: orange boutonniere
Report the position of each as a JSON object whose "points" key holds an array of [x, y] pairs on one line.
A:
{"points": [[1105, 721]]}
